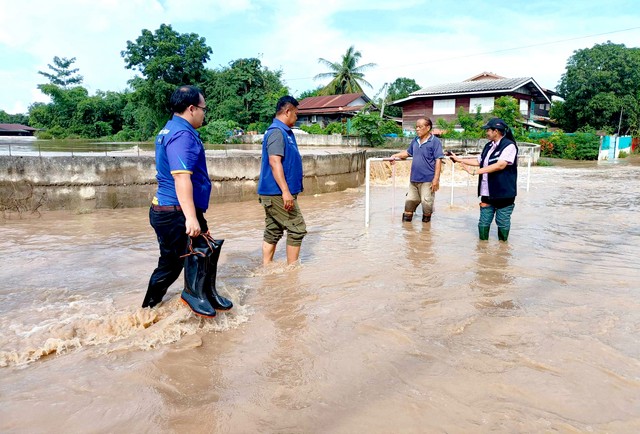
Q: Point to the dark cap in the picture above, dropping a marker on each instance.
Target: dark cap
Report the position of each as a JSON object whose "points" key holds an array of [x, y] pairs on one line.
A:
{"points": [[495, 124]]}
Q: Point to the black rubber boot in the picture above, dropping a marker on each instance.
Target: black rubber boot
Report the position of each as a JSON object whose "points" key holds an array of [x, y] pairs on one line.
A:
{"points": [[197, 276], [483, 232], [503, 234], [217, 301], [407, 217], [426, 218]]}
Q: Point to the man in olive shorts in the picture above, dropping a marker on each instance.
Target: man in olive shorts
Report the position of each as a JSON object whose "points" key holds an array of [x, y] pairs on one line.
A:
{"points": [[280, 182]]}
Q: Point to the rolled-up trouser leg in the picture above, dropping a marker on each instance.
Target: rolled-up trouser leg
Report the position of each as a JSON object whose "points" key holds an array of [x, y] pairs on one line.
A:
{"points": [[296, 227], [426, 198], [413, 198]]}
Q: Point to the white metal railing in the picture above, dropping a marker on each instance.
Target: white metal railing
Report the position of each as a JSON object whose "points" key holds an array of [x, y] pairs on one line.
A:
{"points": [[367, 190]]}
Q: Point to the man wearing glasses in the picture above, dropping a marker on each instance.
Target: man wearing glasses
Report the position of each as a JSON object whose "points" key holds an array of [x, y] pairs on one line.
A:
{"points": [[426, 150], [177, 210]]}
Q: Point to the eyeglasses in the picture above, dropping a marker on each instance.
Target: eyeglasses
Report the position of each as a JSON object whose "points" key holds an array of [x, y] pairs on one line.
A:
{"points": [[204, 109]]}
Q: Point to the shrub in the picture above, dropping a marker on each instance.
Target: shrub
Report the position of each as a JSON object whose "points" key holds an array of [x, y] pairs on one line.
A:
{"points": [[260, 127], [335, 128], [368, 126], [622, 154], [217, 131], [313, 129]]}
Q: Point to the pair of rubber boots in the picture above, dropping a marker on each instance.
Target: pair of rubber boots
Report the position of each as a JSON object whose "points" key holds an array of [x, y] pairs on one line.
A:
{"points": [[483, 232], [200, 269], [408, 217]]}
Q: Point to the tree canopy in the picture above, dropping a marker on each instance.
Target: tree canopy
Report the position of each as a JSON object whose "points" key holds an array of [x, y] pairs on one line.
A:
{"points": [[166, 59], [62, 75], [345, 75], [400, 88], [601, 89], [244, 92]]}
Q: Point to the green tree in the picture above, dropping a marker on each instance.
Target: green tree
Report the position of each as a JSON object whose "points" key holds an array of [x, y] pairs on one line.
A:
{"points": [[508, 109], [368, 126], [402, 87], [20, 118], [217, 131], [601, 88], [244, 92], [309, 93], [62, 75], [345, 75], [166, 59], [471, 123]]}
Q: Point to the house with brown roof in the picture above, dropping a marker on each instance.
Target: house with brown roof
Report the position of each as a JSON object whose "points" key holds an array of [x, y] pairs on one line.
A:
{"points": [[480, 91], [16, 130], [332, 108]]}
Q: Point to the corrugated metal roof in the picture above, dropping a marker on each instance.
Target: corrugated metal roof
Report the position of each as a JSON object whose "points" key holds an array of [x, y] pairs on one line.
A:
{"points": [[328, 110], [479, 87], [504, 84], [15, 127], [330, 101]]}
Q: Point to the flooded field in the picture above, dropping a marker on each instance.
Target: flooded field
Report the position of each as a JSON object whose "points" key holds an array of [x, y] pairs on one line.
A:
{"points": [[396, 327]]}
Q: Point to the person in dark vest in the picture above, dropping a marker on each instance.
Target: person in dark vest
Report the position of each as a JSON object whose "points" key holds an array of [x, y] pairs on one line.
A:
{"points": [[177, 210], [497, 166], [280, 182], [426, 150]]}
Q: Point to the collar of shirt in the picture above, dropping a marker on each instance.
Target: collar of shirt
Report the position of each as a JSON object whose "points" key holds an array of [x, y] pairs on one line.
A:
{"points": [[282, 124], [186, 123], [422, 143]]}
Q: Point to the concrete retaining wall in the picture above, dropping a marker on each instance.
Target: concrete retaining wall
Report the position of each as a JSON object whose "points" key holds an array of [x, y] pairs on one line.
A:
{"points": [[84, 183], [311, 140]]}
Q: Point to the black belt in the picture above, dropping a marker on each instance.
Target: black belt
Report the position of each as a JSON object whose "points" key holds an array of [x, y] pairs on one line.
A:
{"points": [[166, 207]]}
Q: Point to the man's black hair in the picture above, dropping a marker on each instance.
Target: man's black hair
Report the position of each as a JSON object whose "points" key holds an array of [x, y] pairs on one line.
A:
{"points": [[183, 97], [284, 101]]}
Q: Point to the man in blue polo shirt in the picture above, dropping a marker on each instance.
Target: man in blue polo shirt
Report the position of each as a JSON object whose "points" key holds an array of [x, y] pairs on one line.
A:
{"points": [[177, 210], [426, 150]]}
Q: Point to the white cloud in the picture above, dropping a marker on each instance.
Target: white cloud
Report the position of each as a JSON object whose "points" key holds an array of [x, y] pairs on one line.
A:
{"points": [[426, 40]]}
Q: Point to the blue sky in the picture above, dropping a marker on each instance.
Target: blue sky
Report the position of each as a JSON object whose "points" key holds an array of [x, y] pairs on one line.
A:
{"points": [[433, 42]]}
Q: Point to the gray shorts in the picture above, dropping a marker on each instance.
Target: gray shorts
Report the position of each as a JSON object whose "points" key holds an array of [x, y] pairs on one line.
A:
{"points": [[277, 220]]}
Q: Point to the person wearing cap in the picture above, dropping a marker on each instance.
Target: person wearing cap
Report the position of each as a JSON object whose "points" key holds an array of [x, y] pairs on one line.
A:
{"points": [[426, 150], [497, 166]]}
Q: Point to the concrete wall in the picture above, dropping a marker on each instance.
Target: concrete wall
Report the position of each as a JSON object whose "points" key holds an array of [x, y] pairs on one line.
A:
{"points": [[84, 183], [312, 140]]}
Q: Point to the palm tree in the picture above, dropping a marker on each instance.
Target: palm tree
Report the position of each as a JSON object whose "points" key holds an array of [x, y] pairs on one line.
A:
{"points": [[346, 75]]}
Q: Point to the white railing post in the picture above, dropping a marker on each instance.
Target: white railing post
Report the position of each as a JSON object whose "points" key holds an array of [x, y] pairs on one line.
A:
{"points": [[453, 168], [366, 192]]}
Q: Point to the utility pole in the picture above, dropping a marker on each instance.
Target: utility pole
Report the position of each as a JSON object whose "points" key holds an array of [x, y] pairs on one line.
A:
{"points": [[620, 120], [384, 98]]}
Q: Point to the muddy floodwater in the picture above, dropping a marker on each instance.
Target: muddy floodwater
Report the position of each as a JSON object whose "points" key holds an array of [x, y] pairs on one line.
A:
{"points": [[394, 328]]}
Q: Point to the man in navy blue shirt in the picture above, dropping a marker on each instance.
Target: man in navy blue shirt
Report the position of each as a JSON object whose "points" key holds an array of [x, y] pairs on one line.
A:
{"points": [[177, 210], [426, 150]]}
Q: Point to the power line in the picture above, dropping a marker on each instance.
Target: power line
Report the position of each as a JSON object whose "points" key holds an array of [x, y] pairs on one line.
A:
{"points": [[465, 56]]}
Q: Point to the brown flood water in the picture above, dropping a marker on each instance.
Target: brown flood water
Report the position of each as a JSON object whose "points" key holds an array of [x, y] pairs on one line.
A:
{"points": [[408, 328]]}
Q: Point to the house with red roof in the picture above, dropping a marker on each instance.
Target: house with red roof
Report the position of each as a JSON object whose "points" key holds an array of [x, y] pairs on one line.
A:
{"points": [[331, 108], [16, 130]]}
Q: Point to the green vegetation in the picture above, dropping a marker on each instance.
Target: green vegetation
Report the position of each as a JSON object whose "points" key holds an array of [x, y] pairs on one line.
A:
{"points": [[240, 95], [600, 89], [345, 75], [575, 146], [400, 88], [505, 108]]}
